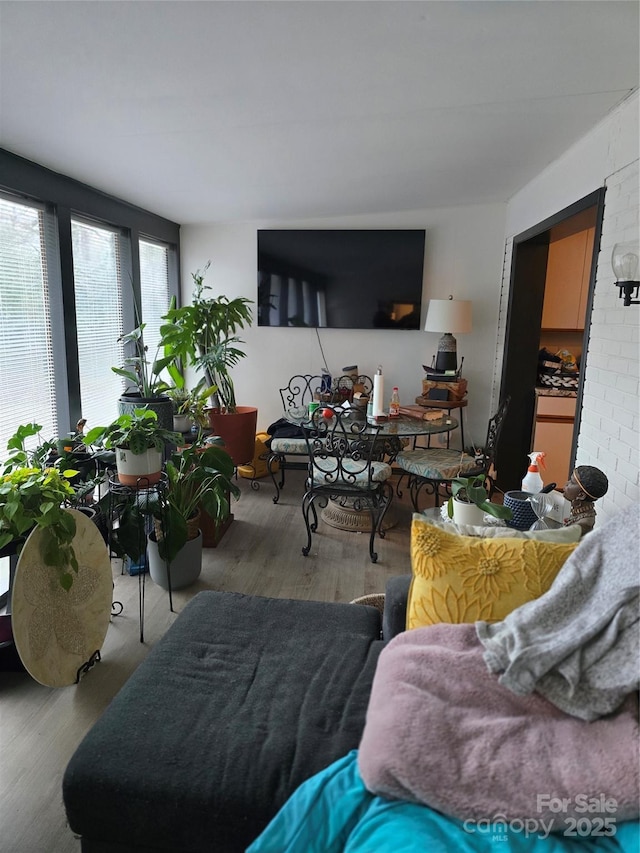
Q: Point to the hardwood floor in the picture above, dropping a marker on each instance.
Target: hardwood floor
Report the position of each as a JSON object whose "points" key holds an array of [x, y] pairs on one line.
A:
{"points": [[260, 554]]}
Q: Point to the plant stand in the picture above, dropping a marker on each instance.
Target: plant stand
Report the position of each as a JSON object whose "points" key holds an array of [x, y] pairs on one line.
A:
{"points": [[141, 496]]}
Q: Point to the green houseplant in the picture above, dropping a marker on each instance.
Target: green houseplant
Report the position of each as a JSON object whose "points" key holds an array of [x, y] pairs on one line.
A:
{"points": [[139, 440], [471, 490], [146, 384], [34, 494], [198, 478], [204, 335], [191, 405]]}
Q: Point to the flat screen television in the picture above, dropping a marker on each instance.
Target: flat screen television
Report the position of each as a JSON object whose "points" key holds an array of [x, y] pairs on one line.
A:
{"points": [[340, 279]]}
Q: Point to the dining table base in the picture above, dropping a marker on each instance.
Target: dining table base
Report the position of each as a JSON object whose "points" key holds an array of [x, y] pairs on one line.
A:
{"points": [[341, 514]]}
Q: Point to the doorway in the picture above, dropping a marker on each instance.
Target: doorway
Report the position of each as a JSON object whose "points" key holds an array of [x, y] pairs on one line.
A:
{"points": [[532, 260]]}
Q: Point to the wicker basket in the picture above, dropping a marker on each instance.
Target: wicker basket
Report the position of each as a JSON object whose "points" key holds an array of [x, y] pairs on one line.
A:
{"points": [[193, 525], [558, 380], [376, 600]]}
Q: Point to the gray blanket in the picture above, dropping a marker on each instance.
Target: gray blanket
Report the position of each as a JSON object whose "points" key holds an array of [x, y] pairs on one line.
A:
{"points": [[578, 644]]}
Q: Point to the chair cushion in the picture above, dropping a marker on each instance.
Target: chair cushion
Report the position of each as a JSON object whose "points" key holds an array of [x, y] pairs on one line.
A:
{"points": [[289, 445], [435, 464], [380, 472], [466, 579]]}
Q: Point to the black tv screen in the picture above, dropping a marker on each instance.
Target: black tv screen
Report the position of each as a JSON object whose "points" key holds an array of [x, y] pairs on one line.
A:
{"points": [[340, 279]]}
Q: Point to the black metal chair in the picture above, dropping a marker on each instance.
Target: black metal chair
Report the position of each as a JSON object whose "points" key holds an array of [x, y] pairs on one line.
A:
{"points": [[433, 469], [343, 466], [287, 448]]}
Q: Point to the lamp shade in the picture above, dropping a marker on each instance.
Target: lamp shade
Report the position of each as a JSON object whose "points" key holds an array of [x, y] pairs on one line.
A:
{"points": [[448, 315]]}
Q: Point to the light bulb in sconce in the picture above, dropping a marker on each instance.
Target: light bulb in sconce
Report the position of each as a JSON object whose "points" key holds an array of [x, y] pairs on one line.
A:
{"points": [[624, 261]]}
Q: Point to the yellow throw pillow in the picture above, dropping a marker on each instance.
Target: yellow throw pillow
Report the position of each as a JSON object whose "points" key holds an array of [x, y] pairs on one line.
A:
{"points": [[465, 578]]}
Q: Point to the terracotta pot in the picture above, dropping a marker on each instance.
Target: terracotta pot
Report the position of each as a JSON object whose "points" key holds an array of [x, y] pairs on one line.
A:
{"points": [[238, 431]]}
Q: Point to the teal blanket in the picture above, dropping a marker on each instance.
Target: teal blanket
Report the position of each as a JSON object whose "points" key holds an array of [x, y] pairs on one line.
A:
{"points": [[332, 812]]}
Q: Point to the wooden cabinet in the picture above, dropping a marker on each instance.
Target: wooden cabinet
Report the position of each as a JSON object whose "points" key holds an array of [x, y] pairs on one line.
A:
{"points": [[567, 282], [554, 434]]}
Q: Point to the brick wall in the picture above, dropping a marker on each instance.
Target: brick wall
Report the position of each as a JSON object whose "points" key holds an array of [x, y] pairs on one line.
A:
{"points": [[610, 428]]}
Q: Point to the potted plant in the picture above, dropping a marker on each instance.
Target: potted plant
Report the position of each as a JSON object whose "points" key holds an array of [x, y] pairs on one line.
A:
{"points": [[139, 440], [190, 407], [469, 501], [198, 478], [204, 335], [34, 494], [147, 386]]}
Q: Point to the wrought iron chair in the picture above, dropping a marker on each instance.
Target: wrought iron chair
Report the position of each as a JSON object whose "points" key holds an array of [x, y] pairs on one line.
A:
{"points": [[301, 390], [287, 448], [343, 466], [432, 469]]}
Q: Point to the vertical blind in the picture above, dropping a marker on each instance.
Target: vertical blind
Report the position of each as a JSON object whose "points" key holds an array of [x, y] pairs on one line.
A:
{"points": [[98, 298], [26, 347], [154, 290]]}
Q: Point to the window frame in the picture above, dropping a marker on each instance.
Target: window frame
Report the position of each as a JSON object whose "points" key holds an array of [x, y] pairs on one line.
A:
{"points": [[65, 198]]}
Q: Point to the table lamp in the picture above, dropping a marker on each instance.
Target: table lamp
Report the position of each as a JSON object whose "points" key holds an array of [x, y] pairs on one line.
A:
{"points": [[448, 316]]}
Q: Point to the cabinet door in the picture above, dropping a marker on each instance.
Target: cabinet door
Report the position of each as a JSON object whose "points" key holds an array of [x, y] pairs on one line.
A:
{"points": [[554, 437], [564, 282], [586, 277]]}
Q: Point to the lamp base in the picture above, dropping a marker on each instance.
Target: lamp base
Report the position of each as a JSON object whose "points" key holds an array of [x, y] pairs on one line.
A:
{"points": [[627, 290], [447, 357]]}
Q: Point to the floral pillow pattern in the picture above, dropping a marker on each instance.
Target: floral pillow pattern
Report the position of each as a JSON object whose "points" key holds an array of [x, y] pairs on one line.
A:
{"points": [[465, 579]]}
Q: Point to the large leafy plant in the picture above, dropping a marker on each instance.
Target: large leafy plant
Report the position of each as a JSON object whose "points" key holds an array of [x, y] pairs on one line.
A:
{"points": [[472, 490], [137, 431], [34, 494], [204, 335], [198, 478], [142, 374]]}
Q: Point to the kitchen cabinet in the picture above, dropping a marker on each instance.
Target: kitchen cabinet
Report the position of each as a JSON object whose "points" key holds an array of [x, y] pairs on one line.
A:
{"points": [[554, 434], [567, 281]]}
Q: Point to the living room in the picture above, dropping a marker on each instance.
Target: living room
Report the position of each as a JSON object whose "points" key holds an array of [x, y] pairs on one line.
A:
{"points": [[472, 201]]}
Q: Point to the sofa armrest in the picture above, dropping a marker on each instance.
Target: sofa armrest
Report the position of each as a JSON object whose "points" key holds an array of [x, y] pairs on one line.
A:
{"points": [[395, 606]]}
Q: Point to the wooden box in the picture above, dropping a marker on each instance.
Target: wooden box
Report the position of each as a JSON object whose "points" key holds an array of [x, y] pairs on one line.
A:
{"points": [[455, 390]]}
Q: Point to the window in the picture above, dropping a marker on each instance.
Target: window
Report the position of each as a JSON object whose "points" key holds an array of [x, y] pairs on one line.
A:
{"points": [[66, 295], [154, 290], [98, 296], [27, 363]]}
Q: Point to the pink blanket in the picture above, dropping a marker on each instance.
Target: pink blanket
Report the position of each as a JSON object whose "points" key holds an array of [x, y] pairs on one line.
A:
{"points": [[441, 731]]}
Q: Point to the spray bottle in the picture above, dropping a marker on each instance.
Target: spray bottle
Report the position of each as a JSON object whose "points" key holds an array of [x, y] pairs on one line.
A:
{"points": [[532, 481]]}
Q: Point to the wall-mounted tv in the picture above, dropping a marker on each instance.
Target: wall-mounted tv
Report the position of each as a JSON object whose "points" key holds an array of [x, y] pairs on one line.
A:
{"points": [[340, 279]]}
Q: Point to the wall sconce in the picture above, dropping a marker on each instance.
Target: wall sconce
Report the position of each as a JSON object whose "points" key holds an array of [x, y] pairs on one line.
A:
{"points": [[624, 260], [448, 316]]}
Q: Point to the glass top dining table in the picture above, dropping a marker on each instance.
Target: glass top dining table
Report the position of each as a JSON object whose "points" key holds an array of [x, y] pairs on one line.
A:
{"points": [[391, 431], [391, 436]]}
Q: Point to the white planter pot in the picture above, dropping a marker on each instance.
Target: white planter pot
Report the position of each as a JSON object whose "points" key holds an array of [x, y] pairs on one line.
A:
{"points": [[133, 467], [185, 568], [182, 423], [464, 513]]}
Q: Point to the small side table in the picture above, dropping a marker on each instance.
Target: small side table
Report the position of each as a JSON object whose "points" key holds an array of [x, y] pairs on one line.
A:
{"points": [[427, 403]]}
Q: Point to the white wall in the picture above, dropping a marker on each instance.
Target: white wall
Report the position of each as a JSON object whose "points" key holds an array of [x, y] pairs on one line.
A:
{"points": [[610, 429], [463, 257]]}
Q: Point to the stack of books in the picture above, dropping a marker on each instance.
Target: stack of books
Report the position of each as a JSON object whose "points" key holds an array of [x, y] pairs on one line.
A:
{"points": [[421, 414]]}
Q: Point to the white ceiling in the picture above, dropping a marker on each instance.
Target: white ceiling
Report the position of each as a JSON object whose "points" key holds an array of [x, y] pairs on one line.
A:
{"points": [[223, 111]]}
